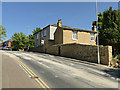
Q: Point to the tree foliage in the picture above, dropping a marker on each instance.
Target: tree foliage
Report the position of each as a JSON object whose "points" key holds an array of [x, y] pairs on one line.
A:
{"points": [[36, 30], [109, 30], [2, 32], [31, 41], [31, 37], [19, 41]]}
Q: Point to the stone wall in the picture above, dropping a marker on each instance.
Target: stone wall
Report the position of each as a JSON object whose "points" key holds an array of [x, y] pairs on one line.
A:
{"points": [[79, 51], [52, 50], [37, 49], [87, 52]]}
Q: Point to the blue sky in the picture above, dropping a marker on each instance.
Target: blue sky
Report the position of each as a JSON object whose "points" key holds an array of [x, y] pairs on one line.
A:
{"points": [[17, 16]]}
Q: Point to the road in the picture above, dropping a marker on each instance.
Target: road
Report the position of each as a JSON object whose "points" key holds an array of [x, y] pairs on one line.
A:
{"points": [[50, 71]]}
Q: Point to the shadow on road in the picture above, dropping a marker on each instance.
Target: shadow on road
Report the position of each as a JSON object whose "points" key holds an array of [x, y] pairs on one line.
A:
{"points": [[113, 73]]}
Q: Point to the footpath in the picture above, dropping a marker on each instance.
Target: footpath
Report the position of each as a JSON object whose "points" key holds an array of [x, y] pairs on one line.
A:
{"points": [[13, 76]]}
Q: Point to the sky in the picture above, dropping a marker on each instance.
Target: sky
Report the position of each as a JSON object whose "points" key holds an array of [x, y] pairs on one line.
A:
{"points": [[26, 16]]}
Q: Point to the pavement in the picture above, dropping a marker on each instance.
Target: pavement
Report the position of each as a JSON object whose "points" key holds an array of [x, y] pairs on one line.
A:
{"points": [[61, 72], [13, 76]]}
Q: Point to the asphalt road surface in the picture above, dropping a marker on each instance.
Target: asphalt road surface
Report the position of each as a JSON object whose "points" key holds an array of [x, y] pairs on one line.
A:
{"points": [[49, 71]]}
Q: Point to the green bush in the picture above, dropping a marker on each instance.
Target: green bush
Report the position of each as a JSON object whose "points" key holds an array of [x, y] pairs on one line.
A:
{"points": [[118, 56]]}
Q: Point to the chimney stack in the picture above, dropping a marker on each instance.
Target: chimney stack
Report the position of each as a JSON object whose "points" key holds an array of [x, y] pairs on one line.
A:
{"points": [[59, 24], [94, 28]]}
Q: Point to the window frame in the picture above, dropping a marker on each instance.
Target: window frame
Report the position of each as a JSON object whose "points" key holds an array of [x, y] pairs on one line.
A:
{"points": [[45, 33], [74, 35], [37, 35], [92, 35]]}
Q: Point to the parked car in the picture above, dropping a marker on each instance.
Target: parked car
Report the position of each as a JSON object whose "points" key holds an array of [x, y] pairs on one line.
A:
{"points": [[1, 48], [6, 48]]}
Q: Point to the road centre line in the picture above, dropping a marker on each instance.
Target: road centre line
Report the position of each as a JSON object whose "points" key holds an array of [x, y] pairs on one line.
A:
{"points": [[38, 80], [41, 82]]}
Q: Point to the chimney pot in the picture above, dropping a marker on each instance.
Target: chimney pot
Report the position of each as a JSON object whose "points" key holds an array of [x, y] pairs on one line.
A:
{"points": [[59, 24], [94, 28]]}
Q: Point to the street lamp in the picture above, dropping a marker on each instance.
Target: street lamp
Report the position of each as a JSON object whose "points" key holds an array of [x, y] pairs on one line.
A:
{"points": [[98, 51], [28, 27]]}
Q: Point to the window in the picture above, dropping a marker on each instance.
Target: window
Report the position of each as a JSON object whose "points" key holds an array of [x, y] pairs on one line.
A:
{"points": [[45, 33], [41, 34], [37, 36], [92, 37], [74, 35]]}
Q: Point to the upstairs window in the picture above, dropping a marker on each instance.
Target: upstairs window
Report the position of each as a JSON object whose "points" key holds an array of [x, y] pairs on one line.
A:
{"points": [[45, 33], [37, 36], [92, 37], [41, 34], [74, 35]]}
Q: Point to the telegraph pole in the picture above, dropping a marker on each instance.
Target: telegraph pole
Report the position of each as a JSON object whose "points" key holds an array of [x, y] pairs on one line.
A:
{"points": [[98, 51]]}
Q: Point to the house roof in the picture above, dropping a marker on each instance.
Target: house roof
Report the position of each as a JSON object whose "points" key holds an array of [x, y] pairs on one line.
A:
{"points": [[47, 27], [76, 29], [10, 40], [67, 28]]}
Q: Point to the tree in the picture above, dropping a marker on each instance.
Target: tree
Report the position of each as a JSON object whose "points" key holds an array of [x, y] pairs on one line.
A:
{"points": [[36, 30], [2, 33], [31, 41], [19, 41], [31, 37], [109, 30]]}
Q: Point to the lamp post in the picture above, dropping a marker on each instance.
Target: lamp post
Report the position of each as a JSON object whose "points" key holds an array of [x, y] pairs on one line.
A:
{"points": [[28, 27], [98, 51]]}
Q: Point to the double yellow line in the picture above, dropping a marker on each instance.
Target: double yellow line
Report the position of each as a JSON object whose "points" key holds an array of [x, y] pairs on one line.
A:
{"points": [[34, 76]]}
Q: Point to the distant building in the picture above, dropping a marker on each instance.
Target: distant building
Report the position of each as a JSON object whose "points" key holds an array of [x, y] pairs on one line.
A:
{"points": [[7, 43]]}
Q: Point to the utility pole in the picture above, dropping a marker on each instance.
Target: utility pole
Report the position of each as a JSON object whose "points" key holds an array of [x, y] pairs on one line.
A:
{"points": [[98, 51]]}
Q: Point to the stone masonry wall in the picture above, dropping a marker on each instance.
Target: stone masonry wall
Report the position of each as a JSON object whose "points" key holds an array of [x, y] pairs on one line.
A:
{"points": [[52, 50], [79, 51], [87, 52]]}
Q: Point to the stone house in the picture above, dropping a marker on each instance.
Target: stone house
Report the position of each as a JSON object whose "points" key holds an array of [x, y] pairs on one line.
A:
{"points": [[47, 33], [60, 34], [67, 35], [72, 42]]}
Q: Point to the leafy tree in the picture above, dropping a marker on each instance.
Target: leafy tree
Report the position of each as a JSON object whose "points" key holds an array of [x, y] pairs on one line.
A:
{"points": [[19, 41], [31, 40], [109, 30], [36, 30], [2, 32], [31, 37]]}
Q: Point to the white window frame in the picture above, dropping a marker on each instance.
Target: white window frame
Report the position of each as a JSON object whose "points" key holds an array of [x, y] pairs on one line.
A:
{"points": [[92, 37], [74, 36]]}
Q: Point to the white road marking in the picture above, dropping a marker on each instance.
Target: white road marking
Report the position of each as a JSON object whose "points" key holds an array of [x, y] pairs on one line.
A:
{"points": [[44, 65]]}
